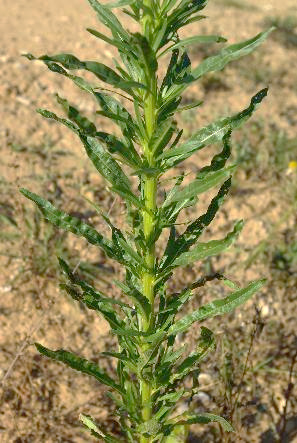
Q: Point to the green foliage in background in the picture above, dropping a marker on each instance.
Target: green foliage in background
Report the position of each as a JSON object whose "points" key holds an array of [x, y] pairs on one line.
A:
{"points": [[151, 369]]}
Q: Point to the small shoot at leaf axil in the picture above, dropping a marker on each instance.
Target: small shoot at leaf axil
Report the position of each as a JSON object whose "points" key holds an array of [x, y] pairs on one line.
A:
{"points": [[151, 368]]}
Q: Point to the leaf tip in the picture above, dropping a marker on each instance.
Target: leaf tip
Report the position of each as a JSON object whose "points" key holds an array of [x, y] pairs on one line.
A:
{"points": [[29, 56], [25, 192]]}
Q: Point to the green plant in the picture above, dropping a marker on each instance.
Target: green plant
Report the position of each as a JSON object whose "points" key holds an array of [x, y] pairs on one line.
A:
{"points": [[151, 368]]}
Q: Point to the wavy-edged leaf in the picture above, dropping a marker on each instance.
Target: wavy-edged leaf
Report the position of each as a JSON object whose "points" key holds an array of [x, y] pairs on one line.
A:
{"points": [[195, 229], [218, 62], [114, 110], [205, 344], [54, 67], [217, 307], [80, 364], [69, 223], [209, 249], [213, 133], [117, 43], [120, 147], [199, 185], [101, 71], [74, 114], [203, 418], [178, 69], [98, 296], [232, 52], [88, 421], [138, 298], [105, 164], [193, 40], [52, 116], [108, 19], [190, 106], [181, 15]]}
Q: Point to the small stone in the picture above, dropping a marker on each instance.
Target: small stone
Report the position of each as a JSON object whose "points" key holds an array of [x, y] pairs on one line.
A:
{"points": [[204, 379], [23, 100], [264, 308]]}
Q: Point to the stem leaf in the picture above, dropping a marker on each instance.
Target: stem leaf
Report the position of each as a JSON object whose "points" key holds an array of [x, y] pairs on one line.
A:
{"points": [[80, 364], [213, 133], [209, 249], [69, 223], [217, 307]]}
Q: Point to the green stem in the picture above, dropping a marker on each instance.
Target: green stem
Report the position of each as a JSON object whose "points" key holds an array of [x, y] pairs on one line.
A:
{"points": [[148, 282], [149, 190]]}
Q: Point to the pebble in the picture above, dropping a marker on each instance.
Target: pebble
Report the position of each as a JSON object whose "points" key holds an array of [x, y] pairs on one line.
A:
{"points": [[204, 379], [23, 100], [5, 289]]}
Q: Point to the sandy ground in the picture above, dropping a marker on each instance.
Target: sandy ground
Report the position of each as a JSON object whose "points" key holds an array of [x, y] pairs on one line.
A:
{"points": [[40, 401]]}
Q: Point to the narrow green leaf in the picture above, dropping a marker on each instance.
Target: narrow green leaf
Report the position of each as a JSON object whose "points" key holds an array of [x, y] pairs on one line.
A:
{"points": [[132, 253], [52, 116], [114, 110], [209, 249], [172, 397], [65, 221], [120, 147], [205, 344], [217, 307], [109, 20], [217, 62], [87, 288], [138, 298], [117, 43], [105, 164], [195, 229], [190, 106], [232, 52], [213, 133], [74, 114], [80, 364], [119, 4], [196, 39], [199, 186], [189, 419], [95, 431], [101, 71]]}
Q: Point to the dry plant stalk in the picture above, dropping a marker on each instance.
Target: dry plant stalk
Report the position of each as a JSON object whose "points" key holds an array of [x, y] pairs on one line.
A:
{"points": [[151, 369]]}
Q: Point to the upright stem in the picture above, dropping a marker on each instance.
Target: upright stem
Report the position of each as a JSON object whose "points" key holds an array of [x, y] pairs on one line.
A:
{"points": [[149, 189]]}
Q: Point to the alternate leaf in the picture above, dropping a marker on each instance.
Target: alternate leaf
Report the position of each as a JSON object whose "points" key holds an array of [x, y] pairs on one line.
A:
{"points": [[101, 71], [192, 40], [80, 364], [189, 237], [75, 115], [213, 133], [217, 307], [198, 186], [211, 248], [218, 62], [232, 52], [94, 429], [109, 20], [73, 224], [188, 419], [205, 344], [105, 164]]}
